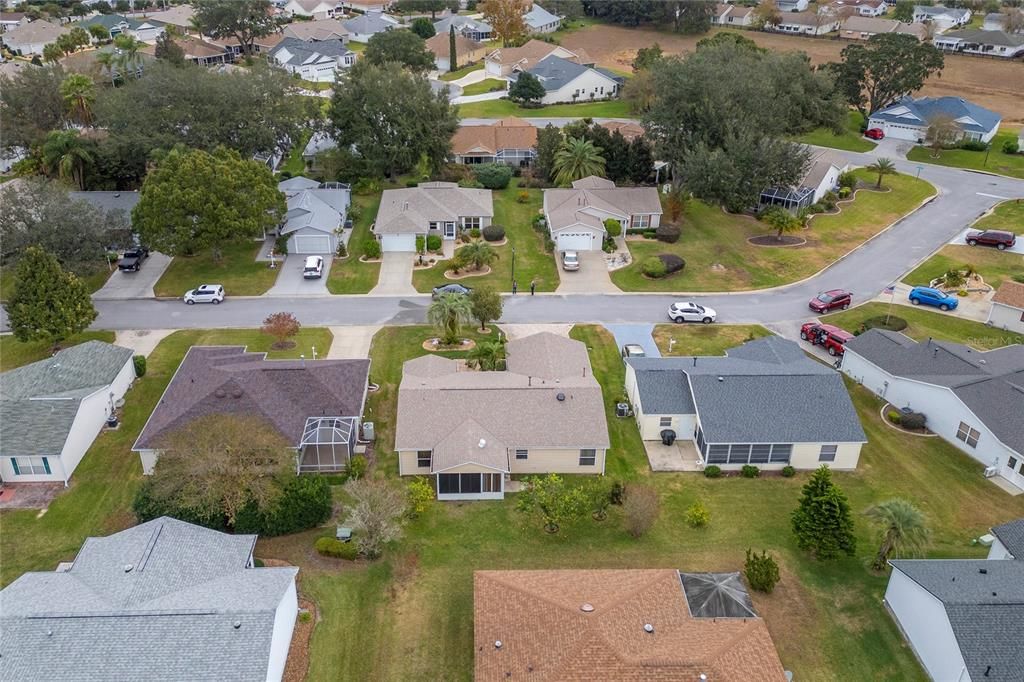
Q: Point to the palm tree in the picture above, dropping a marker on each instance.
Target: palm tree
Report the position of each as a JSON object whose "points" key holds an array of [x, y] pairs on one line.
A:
{"points": [[447, 314], [781, 221], [904, 529], [108, 60], [485, 356], [883, 167], [127, 53], [577, 158], [52, 53], [67, 154], [476, 255], [79, 95]]}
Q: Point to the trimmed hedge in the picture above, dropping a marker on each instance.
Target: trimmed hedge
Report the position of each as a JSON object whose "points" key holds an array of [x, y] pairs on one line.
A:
{"points": [[433, 242], [712, 471], [371, 248], [673, 263], [788, 471], [336, 548], [750, 471], [653, 266], [493, 175], [668, 233], [139, 361], [493, 233]]}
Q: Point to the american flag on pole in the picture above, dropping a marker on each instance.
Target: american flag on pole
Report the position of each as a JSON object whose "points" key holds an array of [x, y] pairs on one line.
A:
{"points": [[891, 289]]}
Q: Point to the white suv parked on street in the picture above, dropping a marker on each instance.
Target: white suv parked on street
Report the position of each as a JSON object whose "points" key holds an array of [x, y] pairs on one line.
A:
{"points": [[205, 293]]}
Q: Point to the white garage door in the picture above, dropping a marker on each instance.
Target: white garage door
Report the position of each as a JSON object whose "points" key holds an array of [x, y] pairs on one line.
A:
{"points": [[311, 243], [492, 68], [576, 241], [398, 242]]}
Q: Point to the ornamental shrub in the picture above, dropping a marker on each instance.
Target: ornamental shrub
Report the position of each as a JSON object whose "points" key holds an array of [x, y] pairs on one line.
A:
{"points": [[342, 250], [848, 179], [493, 175], [305, 502], [420, 494], [474, 233], [750, 471], [336, 548], [650, 234], [845, 192], [653, 266], [788, 471], [974, 145], [913, 420], [421, 241], [712, 471], [893, 416], [613, 227], [494, 233], [371, 248], [697, 515], [357, 467], [1011, 147], [281, 245], [668, 233], [433, 242], [673, 263], [139, 361], [761, 571], [523, 197]]}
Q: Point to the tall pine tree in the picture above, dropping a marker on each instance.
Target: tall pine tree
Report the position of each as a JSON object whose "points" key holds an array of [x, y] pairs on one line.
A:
{"points": [[47, 303], [822, 523], [453, 64]]}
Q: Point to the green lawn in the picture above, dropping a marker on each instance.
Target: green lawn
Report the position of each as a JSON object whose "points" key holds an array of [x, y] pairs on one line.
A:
{"points": [[850, 139], [993, 265], [719, 258], [500, 108], [998, 162], [484, 86], [352, 276], [922, 324], [93, 281], [532, 262], [358, 48], [295, 164], [1008, 215], [318, 87], [466, 70], [705, 339], [14, 353], [238, 271], [99, 499]]}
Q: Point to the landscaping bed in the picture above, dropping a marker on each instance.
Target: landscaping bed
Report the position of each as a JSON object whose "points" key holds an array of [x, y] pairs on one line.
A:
{"points": [[993, 265]]}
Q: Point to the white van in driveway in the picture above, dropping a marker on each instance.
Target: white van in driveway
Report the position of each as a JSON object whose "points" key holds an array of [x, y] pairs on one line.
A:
{"points": [[314, 267]]}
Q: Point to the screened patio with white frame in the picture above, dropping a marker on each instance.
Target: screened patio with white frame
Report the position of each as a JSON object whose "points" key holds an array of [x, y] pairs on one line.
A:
{"points": [[327, 444]]}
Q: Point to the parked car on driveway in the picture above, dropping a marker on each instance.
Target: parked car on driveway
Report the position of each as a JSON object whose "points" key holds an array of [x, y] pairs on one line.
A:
{"points": [[830, 300], [934, 297], [450, 289], [132, 259], [874, 133], [314, 267], [205, 293], [831, 337], [570, 261], [633, 350], [1000, 239], [688, 311]]}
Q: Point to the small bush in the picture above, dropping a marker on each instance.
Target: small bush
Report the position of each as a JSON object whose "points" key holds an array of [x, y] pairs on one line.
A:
{"points": [[640, 508], [649, 234], [616, 493], [914, 421], [668, 233], [974, 145], [494, 233], [712, 471], [750, 471], [366, 186], [895, 324], [433, 242], [357, 467], [139, 361], [421, 242], [788, 471], [305, 617], [342, 250], [613, 227], [493, 175], [540, 225], [411, 183], [845, 192], [281, 245], [893, 416], [470, 183], [549, 245], [420, 494], [474, 233], [523, 197], [336, 548], [653, 266], [371, 248], [673, 263], [1011, 147], [355, 212], [697, 515], [761, 571], [848, 180]]}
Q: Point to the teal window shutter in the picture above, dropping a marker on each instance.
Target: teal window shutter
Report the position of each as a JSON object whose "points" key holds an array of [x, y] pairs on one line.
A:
{"points": [[46, 465], [14, 463]]}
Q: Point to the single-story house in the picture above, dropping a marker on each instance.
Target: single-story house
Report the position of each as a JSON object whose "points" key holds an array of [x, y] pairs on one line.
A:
{"points": [[502, 62], [52, 410], [697, 397], [997, 21], [628, 129], [864, 8], [718, 18], [467, 51], [316, 405], [316, 61], [909, 118], [365, 6], [31, 37], [862, 28], [315, 216], [972, 399], [471, 430], [793, 5], [108, 201], [511, 140], [441, 208], [740, 16], [963, 618], [539, 20], [176, 15], [813, 23], [317, 9], [321, 29], [474, 29], [567, 81], [820, 178], [944, 18], [145, 30], [260, 45], [162, 600], [9, 20], [199, 50], [318, 143], [988, 43], [575, 217], [626, 625], [364, 26]]}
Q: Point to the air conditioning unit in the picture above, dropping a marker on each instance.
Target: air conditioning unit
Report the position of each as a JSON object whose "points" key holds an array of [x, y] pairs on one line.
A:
{"points": [[991, 471], [368, 431]]}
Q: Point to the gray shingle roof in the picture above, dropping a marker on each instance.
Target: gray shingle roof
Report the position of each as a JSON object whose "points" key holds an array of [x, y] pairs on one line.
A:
{"points": [[538, 17], [554, 72], [664, 391], [982, 37], [307, 51], [39, 402], [368, 24], [171, 616], [1011, 535], [109, 201], [462, 23], [319, 208]]}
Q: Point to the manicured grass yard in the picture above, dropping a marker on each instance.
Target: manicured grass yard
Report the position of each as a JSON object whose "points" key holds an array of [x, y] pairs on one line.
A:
{"points": [[93, 281], [923, 323], [500, 108], [998, 162], [464, 71], [1008, 215], [238, 271], [484, 86], [532, 262], [705, 339], [719, 258], [14, 353], [850, 139], [352, 276], [993, 265]]}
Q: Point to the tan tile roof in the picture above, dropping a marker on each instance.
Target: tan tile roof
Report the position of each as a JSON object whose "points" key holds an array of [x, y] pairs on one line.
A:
{"points": [[411, 210], [180, 15], [38, 31], [566, 207], [546, 636], [627, 129], [510, 133], [1010, 293], [321, 29]]}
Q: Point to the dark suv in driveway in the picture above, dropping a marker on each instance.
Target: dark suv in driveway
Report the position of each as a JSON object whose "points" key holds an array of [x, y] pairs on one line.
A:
{"points": [[997, 238], [132, 259]]}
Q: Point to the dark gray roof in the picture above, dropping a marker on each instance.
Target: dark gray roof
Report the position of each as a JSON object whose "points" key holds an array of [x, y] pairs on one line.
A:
{"points": [[918, 112], [554, 72], [985, 610], [982, 37], [305, 51], [664, 391], [171, 615], [109, 201], [39, 402], [1011, 535], [990, 383], [717, 595]]}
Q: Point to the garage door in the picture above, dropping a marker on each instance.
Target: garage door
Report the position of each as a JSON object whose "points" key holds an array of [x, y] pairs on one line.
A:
{"points": [[398, 242], [576, 241], [310, 243]]}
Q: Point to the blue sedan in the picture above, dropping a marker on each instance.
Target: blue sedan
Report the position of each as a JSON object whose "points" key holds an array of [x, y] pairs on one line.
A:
{"points": [[933, 297]]}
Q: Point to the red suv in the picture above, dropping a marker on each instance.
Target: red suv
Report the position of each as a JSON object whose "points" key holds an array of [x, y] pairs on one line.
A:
{"points": [[997, 238], [874, 133], [831, 337], [830, 300]]}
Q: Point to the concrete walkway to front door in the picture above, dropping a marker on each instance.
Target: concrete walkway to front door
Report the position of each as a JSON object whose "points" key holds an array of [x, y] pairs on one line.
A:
{"points": [[395, 275]]}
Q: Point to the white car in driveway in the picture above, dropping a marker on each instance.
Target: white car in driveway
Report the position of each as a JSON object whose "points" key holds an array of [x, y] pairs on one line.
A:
{"points": [[688, 311], [205, 293], [314, 268]]}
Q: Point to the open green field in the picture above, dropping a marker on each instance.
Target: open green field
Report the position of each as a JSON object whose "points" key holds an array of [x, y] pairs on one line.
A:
{"points": [[993, 265], [14, 353], [850, 139], [704, 339], [532, 262], [719, 257], [993, 161], [1008, 215], [238, 271], [352, 276], [484, 86], [500, 108], [923, 323]]}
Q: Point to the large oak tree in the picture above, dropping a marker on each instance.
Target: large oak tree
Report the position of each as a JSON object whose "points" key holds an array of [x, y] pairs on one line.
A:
{"points": [[243, 20]]}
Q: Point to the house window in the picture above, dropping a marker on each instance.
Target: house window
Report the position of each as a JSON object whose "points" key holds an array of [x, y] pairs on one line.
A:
{"points": [[827, 453], [781, 453], [665, 421], [639, 221], [588, 456], [522, 454], [471, 223], [30, 466], [739, 454], [968, 435], [423, 458], [760, 452], [718, 454]]}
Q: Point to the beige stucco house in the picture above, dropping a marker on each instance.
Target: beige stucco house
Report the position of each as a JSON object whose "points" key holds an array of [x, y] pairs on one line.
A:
{"points": [[430, 208], [575, 216]]}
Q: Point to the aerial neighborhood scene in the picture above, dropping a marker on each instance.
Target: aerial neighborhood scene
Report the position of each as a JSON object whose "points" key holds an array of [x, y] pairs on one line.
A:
{"points": [[511, 340]]}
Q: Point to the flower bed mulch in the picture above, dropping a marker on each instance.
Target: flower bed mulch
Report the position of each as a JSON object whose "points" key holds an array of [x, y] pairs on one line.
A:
{"points": [[772, 240]]}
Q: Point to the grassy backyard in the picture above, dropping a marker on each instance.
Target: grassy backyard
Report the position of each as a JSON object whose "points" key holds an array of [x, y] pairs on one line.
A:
{"points": [[532, 262], [238, 271], [1008, 215], [294, 163], [500, 108], [704, 339], [994, 266], [352, 276], [922, 324], [719, 257], [484, 86], [994, 161], [850, 139], [14, 353]]}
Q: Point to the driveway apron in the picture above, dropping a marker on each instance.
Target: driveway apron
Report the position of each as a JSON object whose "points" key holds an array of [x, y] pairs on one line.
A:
{"points": [[591, 278], [139, 284], [290, 281], [395, 275]]}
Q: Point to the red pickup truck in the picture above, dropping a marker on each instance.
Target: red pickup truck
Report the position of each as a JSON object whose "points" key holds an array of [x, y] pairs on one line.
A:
{"points": [[831, 337]]}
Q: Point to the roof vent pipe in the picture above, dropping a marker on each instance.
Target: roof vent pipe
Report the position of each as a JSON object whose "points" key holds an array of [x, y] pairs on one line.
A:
{"points": [[497, 644], [560, 397], [482, 443], [648, 628], [720, 379], [587, 607]]}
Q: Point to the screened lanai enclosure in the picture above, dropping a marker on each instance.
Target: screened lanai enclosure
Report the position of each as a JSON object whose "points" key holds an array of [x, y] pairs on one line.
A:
{"points": [[717, 595], [790, 198], [327, 444]]}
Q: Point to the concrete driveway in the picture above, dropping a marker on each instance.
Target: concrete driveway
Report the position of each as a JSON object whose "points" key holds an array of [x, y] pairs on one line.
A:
{"points": [[290, 281], [395, 275], [960, 240], [352, 342], [139, 284], [640, 334], [591, 278]]}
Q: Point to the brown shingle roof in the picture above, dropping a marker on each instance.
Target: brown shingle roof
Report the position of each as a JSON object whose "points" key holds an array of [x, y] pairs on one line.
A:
{"points": [[438, 46], [545, 635], [627, 129], [1011, 294], [509, 133]]}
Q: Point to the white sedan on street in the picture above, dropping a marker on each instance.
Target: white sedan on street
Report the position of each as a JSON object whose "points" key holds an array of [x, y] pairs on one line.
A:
{"points": [[688, 311]]}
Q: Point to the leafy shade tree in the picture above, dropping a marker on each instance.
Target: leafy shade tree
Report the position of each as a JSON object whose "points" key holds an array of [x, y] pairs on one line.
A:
{"points": [[79, 93], [422, 27], [822, 522], [577, 158], [282, 327], [375, 514], [640, 509], [904, 530], [485, 356], [549, 140], [641, 161], [453, 57], [781, 220], [691, 16], [486, 305], [99, 32], [46, 303], [506, 19], [647, 57], [527, 89], [729, 38], [402, 46], [243, 20], [432, 6], [904, 11], [392, 117], [942, 131], [639, 91], [552, 499], [194, 200], [476, 255], [448, 313], [883, 69], [882, 167], [67, 155], [567, 9], [169, 51], [766, 13]]}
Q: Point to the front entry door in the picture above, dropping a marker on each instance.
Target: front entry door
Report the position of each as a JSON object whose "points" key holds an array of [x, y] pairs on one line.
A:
{"points": [[449, 230]]}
